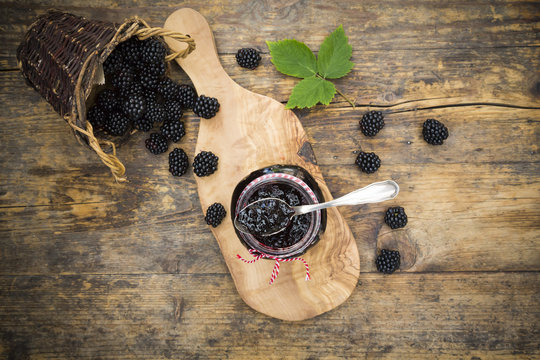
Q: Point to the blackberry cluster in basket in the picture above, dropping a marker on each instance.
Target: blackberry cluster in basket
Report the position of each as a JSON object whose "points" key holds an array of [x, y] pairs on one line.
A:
{"points": [[138, 94], [388, 261]]}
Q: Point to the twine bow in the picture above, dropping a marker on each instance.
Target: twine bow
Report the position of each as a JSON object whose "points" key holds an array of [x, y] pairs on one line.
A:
{"points": [[275, 271]]}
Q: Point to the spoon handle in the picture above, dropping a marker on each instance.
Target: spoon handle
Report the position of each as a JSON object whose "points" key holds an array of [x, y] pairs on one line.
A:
{"points": [[373, 193]]}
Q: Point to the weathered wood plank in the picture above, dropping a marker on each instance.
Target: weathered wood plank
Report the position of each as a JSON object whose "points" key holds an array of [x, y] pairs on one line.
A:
{"points": [[475, 197], [421, 316]]}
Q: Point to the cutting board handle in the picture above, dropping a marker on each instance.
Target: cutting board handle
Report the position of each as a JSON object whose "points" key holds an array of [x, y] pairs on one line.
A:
{"points": [[203, 63]]}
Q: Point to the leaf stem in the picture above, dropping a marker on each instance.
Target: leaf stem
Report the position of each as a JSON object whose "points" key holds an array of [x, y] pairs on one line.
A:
{"points": [[340, 93]]}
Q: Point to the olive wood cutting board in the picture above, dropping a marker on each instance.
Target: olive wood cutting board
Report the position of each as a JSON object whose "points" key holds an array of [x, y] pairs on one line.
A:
{"points": [[250, 132]]}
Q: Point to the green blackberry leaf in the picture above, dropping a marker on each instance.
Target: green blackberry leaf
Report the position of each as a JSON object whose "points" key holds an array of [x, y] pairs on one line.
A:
{"points": [[293, 58], [334, 54], [310, 91]]}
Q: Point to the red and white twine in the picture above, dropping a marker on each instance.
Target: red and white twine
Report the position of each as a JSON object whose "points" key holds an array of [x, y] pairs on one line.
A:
{"points": [[275, 271]]}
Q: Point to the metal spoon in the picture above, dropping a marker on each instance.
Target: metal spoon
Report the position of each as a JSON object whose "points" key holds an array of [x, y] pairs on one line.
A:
{"points": [[275, 214]]}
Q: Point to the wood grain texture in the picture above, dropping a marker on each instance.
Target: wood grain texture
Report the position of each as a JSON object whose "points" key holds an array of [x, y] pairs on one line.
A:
{"points": [[251, 132], [93, 269]]}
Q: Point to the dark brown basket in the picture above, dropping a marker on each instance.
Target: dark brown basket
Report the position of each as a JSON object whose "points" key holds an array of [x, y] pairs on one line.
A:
{"points": [[60, 58]]}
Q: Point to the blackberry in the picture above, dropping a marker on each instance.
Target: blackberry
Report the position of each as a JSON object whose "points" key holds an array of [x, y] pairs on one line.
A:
{"points": [[148, 80], [97, 117], [371, 123], [132, 89], [143, 124], [158, 69], [186, 96], [108, 100], [156, 143], [248, 58], [152, 51], [173, 130], [368, 162], [178, 162], [117, 124], [149, 95], [215, 214], [134, 106], [434, 132], [205, 163], [395, 217], [155, 112], [168, 89], [113, 63], [123, 79], [173, 109], [206, 107], [131, 50], [388, 261]]}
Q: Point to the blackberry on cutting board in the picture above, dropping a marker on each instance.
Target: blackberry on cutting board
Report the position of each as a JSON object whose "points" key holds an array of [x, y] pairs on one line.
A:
{"points": [[368, 162], [206, 107], [173, 130], [178, 162], [156, 143], [434, 132], [371, 123], [187, 96], [248, 58], [205, 163], [215, 214], [395, 217], [388, 261], [117, 124]]}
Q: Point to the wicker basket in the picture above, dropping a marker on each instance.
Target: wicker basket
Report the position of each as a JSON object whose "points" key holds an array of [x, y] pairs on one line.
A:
{"points": [[61, 57]]}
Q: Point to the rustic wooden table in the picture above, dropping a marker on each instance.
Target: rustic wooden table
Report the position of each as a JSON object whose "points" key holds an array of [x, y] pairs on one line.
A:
{"points": [[90, 268]]}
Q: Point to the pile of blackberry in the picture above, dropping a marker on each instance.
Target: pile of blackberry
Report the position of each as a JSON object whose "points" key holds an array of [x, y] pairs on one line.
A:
{"points": [[138, 94]]}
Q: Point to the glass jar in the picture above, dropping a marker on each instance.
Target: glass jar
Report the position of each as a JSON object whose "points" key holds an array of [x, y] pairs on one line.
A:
{"points": [[295, 185]]}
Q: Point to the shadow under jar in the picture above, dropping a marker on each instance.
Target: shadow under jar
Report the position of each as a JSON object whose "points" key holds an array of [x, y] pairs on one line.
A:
{"points": [[294, 185]]}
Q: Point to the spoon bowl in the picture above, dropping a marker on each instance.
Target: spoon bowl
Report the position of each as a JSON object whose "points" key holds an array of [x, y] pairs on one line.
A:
{"points": [[269, 216]]}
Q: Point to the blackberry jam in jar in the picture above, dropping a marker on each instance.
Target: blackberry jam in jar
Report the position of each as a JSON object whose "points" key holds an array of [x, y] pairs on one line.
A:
{"points": [[295, 186]]}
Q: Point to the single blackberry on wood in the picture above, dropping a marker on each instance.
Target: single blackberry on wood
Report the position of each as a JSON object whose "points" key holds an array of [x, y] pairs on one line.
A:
{"points": [[388, 261], [215, 214], [395, 217], [434, 132], [178, 162], [173, 130], [173, 109], [206, 107], [134, 106], [187, 95], [205, 163], [156, 143], [117, 124], [371, 123], [248, 58], [368, 162]]}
